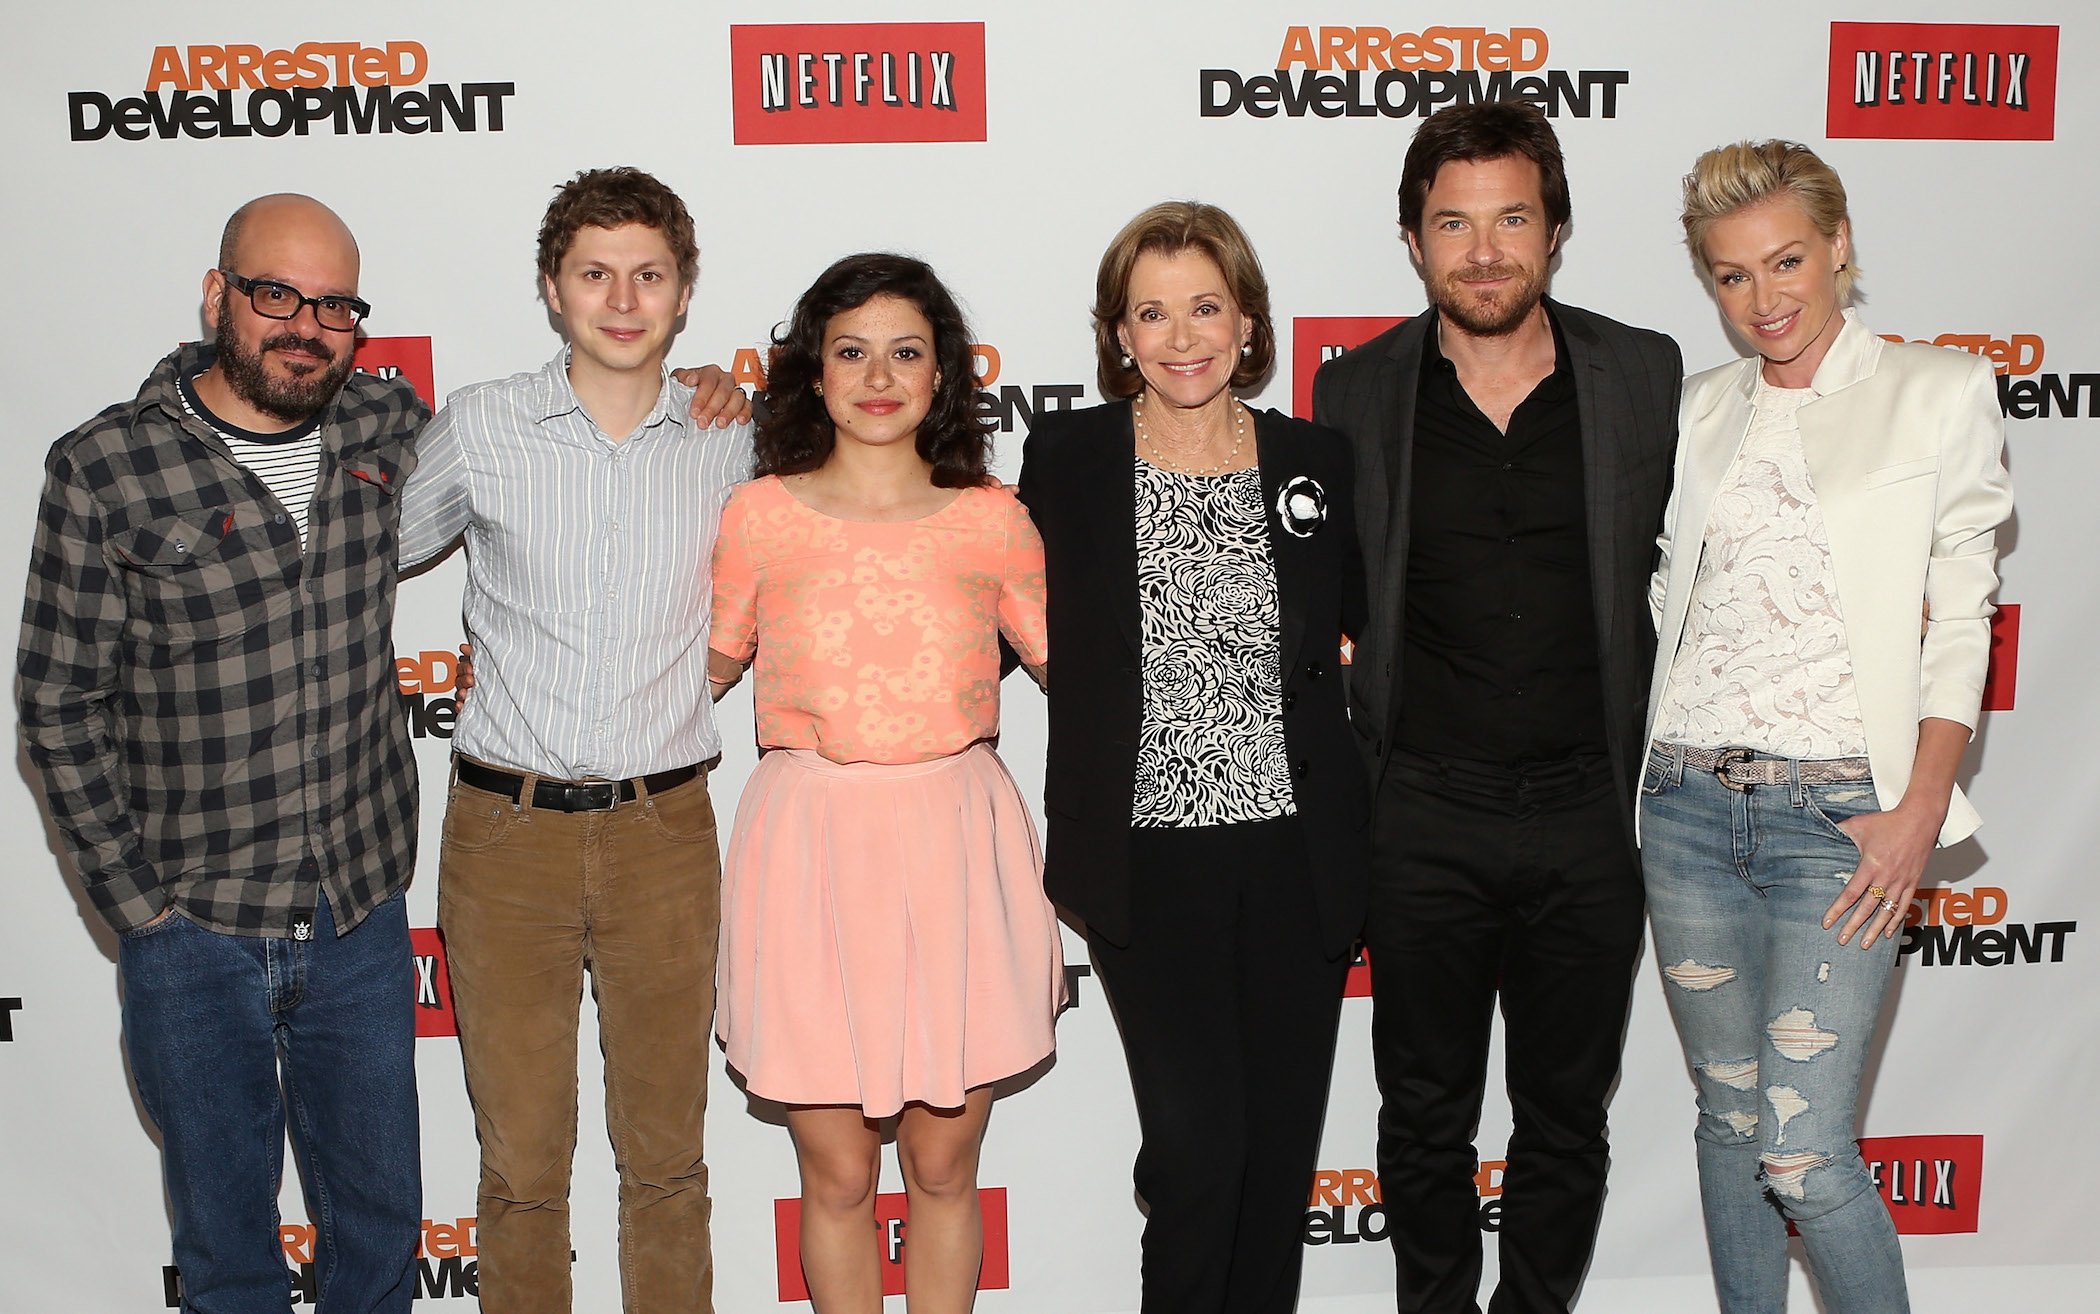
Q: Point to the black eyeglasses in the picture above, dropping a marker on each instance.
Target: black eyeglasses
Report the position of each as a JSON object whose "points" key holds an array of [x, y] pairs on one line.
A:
{"points": [[282, 301]]}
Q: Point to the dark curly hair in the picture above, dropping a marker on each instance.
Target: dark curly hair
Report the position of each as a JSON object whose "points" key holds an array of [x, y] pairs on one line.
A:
{"points": [[797, 434]]}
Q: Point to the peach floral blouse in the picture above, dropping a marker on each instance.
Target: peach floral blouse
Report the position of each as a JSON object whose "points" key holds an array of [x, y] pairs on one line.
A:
{"points": [[876, 642]]}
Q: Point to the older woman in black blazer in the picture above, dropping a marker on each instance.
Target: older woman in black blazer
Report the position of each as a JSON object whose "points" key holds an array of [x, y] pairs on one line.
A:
{"points": [[1206, 805]]}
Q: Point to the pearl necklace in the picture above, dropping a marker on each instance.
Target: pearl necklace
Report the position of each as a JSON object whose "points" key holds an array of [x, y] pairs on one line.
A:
{"points": [[1174, 464]]}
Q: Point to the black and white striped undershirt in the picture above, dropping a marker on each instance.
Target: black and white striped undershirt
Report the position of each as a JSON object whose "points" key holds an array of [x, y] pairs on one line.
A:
{"points": [[288, 463]]}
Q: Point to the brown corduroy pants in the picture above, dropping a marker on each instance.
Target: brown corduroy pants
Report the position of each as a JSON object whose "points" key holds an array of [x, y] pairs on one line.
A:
{"points": [[527, 898]]}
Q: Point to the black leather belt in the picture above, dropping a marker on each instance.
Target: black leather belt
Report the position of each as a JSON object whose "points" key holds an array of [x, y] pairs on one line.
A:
{"points": [[568, 795]]}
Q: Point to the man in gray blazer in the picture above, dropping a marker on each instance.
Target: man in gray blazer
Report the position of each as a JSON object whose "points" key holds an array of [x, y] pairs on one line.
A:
{"points": [[1512, 462]]}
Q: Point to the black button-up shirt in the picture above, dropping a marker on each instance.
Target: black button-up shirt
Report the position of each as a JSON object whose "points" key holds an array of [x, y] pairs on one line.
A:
{"points": [[1499, 660], [213, 710]]}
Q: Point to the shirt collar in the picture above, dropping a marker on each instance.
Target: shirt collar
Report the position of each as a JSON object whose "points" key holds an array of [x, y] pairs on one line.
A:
{"points": [[1436, 364], [557, 396]]}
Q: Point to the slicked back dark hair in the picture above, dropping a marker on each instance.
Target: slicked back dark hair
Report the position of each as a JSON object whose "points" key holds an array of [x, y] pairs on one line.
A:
{"points": [[1498, 130], [798, 434], [614, 198]]}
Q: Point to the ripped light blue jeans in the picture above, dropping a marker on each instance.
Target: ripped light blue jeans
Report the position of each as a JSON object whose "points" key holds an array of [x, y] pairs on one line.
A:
{"points": [[1776, 1018]]}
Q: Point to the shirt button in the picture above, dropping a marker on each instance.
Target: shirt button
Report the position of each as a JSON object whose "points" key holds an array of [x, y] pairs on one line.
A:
{"points": [[317, 668], [1290, 700], [280, 519], [315, 751], [1301, 769], [1511, 539], [1509, 465]]}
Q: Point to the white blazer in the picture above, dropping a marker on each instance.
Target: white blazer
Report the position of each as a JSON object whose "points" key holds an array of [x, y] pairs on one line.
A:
{"points": [[1904, 445]]}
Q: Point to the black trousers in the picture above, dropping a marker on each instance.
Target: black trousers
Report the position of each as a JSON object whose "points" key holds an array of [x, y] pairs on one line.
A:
{"points": [[1517, 882], [1228, 1011]]}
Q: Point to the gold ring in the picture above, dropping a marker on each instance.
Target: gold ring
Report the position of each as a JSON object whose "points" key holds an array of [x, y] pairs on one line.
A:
{"points": [[1877, 892]]}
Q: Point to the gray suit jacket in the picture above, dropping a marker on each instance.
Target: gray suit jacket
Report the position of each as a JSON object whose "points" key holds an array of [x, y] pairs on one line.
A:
{"points": [[1626, 386]]}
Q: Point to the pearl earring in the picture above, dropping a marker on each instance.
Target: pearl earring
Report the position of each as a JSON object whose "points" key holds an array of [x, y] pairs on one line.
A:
{"points": [[1127, 361]]}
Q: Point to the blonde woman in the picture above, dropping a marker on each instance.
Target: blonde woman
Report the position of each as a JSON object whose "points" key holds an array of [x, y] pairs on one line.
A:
{"points": [[1804, 740]]}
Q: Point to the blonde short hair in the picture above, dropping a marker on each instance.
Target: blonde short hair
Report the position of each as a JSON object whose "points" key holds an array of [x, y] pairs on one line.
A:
{"points": [[1170, 228], [1728, 178]]}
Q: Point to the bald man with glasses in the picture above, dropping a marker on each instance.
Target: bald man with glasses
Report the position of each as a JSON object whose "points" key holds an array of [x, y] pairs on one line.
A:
{"points": [[207, 693]]}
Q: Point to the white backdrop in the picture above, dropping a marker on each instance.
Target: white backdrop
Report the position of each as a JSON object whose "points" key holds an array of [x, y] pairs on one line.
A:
{"points": [[1090, 112]]}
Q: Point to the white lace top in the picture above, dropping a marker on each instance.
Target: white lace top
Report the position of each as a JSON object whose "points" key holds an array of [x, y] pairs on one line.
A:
{"points": [[1763, 662]]}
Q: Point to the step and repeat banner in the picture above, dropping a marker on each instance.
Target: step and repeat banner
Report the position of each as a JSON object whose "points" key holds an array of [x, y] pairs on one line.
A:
{"points": [[1006, 144]]}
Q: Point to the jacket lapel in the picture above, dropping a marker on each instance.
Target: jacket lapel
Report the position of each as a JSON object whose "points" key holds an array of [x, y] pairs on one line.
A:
{"points": [[1292, 554], [1105, 482], [1705, 465], [1389, 411], [1846, 404], [1601, 408], [1392, 412]]}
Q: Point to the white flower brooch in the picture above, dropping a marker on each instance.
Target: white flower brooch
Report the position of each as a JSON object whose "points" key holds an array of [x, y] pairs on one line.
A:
{"points": [[1301, 506]]}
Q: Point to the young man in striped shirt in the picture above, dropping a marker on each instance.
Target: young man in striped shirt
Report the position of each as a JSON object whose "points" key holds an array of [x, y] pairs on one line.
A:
{"points": [[579, 830]]}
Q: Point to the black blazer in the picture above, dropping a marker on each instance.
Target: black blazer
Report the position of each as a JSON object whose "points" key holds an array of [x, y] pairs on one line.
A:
{"points": [[1078, 480], [1626, 386]]}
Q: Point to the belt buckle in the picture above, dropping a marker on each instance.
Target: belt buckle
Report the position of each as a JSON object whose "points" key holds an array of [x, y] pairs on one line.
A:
{"points": [[596, 796], [1730, 757]]}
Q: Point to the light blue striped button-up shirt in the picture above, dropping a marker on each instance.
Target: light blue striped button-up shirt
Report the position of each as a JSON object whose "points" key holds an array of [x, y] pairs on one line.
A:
{"points": [[588, 572]]}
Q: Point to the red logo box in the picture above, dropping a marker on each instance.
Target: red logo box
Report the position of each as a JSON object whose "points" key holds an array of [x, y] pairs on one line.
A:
{"points": [[1931, 1183], [400, 358], [2001, 679], [890, 1228], [434, 1015], [1943, 81], [803, 83], [1319, 338]]}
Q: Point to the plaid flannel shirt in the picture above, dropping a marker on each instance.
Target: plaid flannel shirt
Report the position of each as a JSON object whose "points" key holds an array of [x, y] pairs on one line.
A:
{"points": [[213, 710]]}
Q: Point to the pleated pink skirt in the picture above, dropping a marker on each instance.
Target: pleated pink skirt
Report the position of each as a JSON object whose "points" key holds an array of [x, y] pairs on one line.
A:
{"points": [[885, 938]]}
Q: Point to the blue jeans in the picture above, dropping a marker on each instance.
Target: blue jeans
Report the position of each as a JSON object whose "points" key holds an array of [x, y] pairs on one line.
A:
{"points": [[224, 1034], [1776, 1018]]}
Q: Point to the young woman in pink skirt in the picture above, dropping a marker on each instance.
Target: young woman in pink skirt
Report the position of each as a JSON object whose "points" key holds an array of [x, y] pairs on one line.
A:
{"points": [[887, 950]]}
